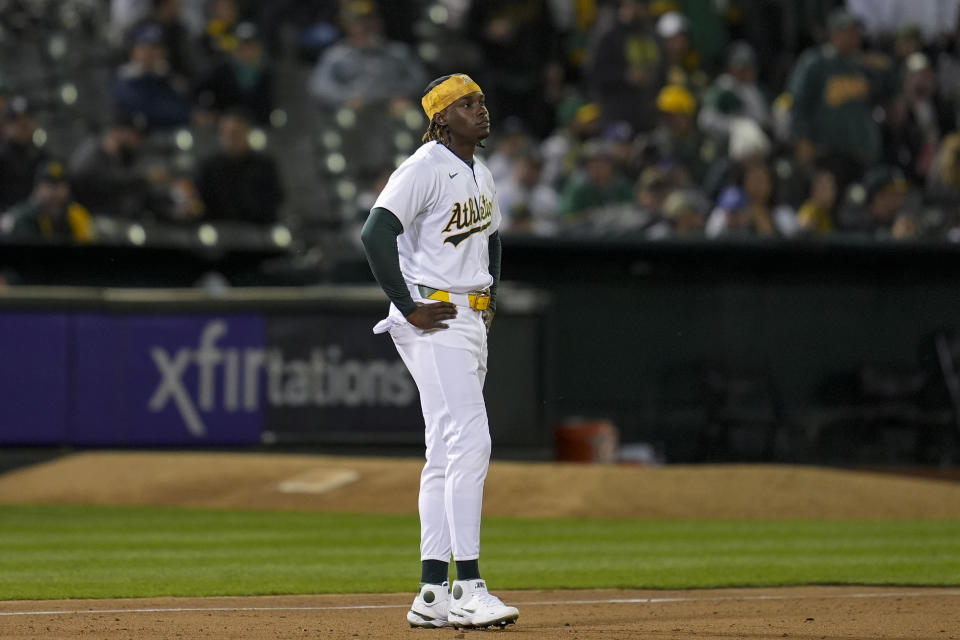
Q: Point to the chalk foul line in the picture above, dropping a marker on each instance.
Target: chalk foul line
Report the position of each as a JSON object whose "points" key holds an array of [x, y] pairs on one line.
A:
{"points": [[544, 603]]}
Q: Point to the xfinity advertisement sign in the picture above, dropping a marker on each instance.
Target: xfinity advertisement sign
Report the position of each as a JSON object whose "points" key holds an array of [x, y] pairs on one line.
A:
{"points": [[227, 378], [166, 380], [33, 382], [238, 379]]}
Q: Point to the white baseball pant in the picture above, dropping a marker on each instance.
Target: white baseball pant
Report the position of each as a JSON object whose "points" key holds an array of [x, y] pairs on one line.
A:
{"points": [[449, 367]]}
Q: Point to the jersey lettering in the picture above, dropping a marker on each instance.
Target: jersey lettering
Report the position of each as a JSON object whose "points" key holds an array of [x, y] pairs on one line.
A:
{"points": [[472, 215], [841, 89]]}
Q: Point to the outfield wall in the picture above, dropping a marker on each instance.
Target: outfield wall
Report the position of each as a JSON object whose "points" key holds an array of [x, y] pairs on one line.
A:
{"points": [[94, 367], [806, 351]]}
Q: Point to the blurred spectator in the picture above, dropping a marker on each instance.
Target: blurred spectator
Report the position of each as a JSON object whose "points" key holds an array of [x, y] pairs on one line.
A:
{"points": [[682, 216], [735, 94], [317, 23], [881, 18], [49, 212], [193, 15], [770, 216], [596, 187], [677, 138], [779, 29], [579, 122], [364, 67], [917, 119], [943, 181], [218, 37], [708, 26], [834, 95], [124, 14], [948, 69], [731, 216], [512, 141], [182, 201], [677, 175], [747, 144], [579, 22], [143, 87], [652, 190], [238, 183], [166, 15], [906, 226], [519, 45], [106, 176], [909, 41], [750, 208], [19, 156], [683, 64], [884, 201], [815, 217], [528, 204], [242, 80], [626, 150], [624, 73]]}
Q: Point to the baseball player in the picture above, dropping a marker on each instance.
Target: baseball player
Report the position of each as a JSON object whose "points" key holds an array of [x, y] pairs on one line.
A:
{"points": [[432, 243]]}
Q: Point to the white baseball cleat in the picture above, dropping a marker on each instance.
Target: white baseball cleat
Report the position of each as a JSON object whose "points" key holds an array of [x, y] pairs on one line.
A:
{"points": [[472, 607], [431, 606]]}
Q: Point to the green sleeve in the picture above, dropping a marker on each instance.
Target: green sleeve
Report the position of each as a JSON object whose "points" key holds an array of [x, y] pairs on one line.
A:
{"points": [[495, 251], [379, 236]]}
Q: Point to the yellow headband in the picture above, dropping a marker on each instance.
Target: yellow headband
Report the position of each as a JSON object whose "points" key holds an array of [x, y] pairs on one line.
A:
{"points": [[443, 95]]}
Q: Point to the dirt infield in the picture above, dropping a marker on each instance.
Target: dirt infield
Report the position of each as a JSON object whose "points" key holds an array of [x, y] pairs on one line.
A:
{"points": [[805, 613], [390, 486]]}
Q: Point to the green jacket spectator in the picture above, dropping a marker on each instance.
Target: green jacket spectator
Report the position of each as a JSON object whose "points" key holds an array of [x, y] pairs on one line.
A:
{"points": [[49, 213], [597, 187], [834, 89]]}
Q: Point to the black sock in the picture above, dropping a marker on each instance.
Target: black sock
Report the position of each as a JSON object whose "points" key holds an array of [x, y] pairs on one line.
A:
{"points": [[434, 572], [468, 569]]}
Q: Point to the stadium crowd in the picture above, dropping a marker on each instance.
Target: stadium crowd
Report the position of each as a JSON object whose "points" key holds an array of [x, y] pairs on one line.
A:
{"points": [[648, 119]]}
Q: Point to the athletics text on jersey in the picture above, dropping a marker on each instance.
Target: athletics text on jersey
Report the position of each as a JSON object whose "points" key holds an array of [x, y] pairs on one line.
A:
{"points": [[469, 217]]}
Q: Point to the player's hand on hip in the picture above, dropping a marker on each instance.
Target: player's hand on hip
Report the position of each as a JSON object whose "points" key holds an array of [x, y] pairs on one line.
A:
{"points": [[431, 316], [487, 316]]}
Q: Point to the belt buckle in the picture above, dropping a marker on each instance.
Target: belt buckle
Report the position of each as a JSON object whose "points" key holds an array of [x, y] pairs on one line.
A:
{"points": [[480, 300]]}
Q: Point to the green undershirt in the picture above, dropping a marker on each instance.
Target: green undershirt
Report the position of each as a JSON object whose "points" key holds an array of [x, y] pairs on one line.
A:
{"points": [[379, 236]]}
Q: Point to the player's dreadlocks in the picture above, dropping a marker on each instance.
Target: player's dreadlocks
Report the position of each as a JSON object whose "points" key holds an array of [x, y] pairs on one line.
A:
{"points": [[435, 130]]}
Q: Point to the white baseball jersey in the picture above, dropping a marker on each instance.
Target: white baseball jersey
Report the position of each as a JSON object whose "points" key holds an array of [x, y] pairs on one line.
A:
{"points": [[448, 212]]}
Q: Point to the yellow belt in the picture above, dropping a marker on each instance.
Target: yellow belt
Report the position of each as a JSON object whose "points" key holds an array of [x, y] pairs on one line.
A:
{"points": [[479, 300]]}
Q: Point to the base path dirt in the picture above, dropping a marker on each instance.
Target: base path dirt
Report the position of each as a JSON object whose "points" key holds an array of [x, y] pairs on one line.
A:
{"points": [[805, 613]]}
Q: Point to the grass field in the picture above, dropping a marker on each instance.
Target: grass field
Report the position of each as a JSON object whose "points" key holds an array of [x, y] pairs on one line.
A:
{"points": [[106, 552]]}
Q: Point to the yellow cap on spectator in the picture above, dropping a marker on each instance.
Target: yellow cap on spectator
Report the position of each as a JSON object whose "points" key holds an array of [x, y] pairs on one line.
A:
{"points": [[587, 113], [676, 99]]}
